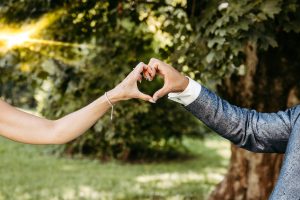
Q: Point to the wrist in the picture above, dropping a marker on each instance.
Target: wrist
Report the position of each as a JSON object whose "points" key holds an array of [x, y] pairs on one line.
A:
{"points": [[183, 83], [114, 96]]}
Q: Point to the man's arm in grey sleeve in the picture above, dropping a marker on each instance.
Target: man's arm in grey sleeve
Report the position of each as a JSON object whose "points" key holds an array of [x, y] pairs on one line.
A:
{"points": [[248, 129]]}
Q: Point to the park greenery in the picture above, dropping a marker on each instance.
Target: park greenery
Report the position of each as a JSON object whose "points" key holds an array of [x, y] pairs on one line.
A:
{"points": [[57, 56], [88, 47], [28, 174], [85, 48]]}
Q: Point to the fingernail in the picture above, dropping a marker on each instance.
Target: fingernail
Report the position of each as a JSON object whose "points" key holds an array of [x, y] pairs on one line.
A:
{"points": [[152, 101], [140, 81], [155, 99]]}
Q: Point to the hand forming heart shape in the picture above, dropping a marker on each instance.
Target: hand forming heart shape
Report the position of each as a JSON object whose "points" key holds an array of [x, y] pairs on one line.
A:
{"points": [[174, 81], [128, 88]]}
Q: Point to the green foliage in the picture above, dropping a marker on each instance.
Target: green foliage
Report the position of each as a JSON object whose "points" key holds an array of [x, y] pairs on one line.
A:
{"points": [[63, 78], [215, 46], [205, 39]]}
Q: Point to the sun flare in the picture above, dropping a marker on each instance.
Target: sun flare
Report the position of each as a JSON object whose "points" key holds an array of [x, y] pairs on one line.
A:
{"points": [[14, 39], [28, 35]]}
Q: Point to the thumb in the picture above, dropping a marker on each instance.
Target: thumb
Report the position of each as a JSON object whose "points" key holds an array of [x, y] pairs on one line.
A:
{"points": [[145, 97], [160, 93]]}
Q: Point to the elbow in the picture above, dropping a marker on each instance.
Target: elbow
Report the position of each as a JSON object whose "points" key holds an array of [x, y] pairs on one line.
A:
{"points": [[255, 144]]}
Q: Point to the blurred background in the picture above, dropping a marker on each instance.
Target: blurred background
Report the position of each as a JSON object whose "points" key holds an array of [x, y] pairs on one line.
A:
{"points": [[57, 56]]}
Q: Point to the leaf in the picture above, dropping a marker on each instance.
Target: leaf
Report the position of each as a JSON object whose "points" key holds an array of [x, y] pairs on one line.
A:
{"points": [[262, 16], [210, 57], [271, 8], [218, 40], [272, 42]]}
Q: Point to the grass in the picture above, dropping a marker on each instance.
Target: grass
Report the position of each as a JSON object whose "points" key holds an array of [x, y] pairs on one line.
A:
{"points": [[27, 173]]}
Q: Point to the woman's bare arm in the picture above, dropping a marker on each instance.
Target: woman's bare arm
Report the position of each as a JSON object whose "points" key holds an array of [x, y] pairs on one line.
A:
{"points": [[23, 127]]}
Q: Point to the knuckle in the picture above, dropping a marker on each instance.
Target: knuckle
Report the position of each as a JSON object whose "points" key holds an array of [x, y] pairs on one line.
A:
{"points": [[153, 60], [140, 64]]}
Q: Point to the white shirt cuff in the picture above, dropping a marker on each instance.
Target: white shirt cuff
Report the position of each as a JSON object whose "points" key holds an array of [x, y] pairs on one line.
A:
{"points": [[189, 95]]}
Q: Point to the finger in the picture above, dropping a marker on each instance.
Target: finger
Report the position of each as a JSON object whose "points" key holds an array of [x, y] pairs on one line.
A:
{"points": [[140, 78], [139, 68], [149, 72], [160, 93], [145, 97], [147, 76], [152, 72], [153, 63]]}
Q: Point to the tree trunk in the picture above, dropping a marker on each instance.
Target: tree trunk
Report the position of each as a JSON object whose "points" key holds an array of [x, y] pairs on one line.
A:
{"points": [[267, 85]]}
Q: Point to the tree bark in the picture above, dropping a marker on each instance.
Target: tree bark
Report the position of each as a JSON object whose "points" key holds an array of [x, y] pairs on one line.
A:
{"points": [[268, 85]]}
